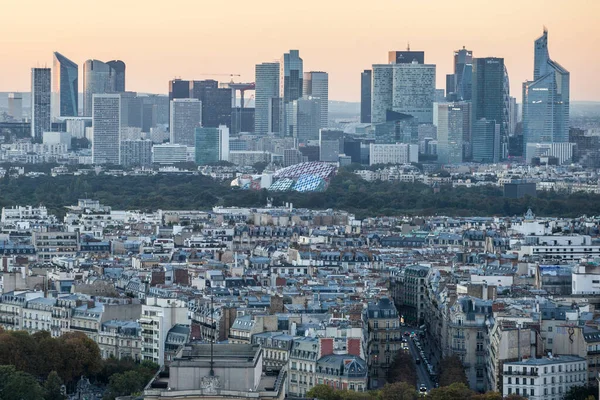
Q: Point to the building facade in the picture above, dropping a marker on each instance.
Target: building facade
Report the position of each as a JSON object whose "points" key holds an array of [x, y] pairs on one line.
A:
{"points": [[41, 109], [265, 96], [186, 116], [98, 78], [106, 125], [65, 87], [316, 84]]}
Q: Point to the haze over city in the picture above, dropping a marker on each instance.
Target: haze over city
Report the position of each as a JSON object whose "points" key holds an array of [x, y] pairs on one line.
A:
{"points": [[160, 40]]}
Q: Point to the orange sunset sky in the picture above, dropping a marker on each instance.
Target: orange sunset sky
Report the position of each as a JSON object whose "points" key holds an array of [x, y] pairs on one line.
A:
{"points": [[161, 39]]}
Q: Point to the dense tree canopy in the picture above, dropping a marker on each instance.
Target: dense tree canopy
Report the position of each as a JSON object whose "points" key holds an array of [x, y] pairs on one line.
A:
{"points": [[403, 369], [347, 191], [452, 371]]}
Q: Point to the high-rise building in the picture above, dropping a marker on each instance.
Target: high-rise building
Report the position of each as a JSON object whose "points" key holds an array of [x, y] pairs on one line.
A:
{"points": [[306, 119], [119, 76], [136, 152], [65, 87], [331, 145], [291, 74], [186, 116], [486, 141], [452, 121], [267, 90], [546, 99], [316, 84], [406, 57], [365, 96], [15, 106], [131, 110], [216, 102], [106, 125], [489, 98], [212, 145], [179, 89], [458, 85], [382, 89], [41, 114], [414, 90], [98, 78]]}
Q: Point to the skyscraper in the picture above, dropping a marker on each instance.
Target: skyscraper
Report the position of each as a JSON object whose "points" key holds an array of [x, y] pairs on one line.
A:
{"points": [[212, 145], [414, 90], [382, 89], [489, 98], [486, 141], [65, 87], [179, 89], [453, 119], [463, 61], [306, 118], [186, 116], [316, 84], [106, 125], [98, 78], [15, 105], [267, 90], [546, 99], [41, 114], [290, 85], [119, 76], [365, 96], [216, 102]]}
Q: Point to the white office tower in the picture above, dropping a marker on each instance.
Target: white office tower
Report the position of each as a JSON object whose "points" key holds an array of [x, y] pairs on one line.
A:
{"points": [[223, 143], [186, 116], [398, 153], [316, 85], [267, 89], [41, 112], [453, 121], [106, 128]]}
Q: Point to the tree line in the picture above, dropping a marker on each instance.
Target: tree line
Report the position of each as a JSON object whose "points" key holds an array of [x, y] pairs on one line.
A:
{"points": [[346, 191], [37, 366]]}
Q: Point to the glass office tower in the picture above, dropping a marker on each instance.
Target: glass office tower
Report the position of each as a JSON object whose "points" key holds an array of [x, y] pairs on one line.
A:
{"points": [[65, 87]]}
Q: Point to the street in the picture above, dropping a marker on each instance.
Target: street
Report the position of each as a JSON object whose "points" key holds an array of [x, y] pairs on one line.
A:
{"points": [[423, 376]]}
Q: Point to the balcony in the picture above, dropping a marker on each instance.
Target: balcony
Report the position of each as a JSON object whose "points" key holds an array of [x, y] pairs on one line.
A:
{"points": [[459, 350], [520, 373]]}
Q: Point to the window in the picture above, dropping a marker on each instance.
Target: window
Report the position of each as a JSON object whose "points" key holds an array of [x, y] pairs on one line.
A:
{"points": [[550, 342], [531, 391], [549, 329], [509, 380], [516, 381]]}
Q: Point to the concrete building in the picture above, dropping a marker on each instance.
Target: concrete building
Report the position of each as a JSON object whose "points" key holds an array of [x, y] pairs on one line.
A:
{"points": [[51, 244], [186, 116], [384, 339], [316, 85], [545, 378], [331, 145], [41, 111], [15, 106], [222, 371], [136, 152], [562, 151], [54, 138], [414, 90], [381, 92], [106, 124], [169, 153], [158, 316], [399, 153]]}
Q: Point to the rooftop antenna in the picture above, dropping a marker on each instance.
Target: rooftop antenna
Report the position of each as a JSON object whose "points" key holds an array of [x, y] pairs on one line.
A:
{"points": [[408, 46]]}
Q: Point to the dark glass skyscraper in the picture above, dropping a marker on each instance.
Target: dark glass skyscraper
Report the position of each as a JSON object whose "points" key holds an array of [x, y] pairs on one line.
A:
{"points": [[179, 89], [119, 76], [365, 96], [65, 87], [458, 84], [291, 74], [486, 141], [488, 95], [216, 102]]}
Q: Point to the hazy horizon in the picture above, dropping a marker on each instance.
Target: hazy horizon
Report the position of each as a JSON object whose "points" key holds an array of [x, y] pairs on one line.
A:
{"points": [[192, 40]]}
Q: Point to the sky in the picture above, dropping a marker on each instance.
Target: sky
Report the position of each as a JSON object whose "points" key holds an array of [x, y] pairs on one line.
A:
{"points": [[194, 39]]}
